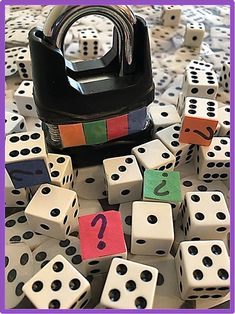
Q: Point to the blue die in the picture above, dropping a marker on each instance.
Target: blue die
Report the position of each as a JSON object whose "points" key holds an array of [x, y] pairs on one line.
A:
{"points": [[26, 159]]}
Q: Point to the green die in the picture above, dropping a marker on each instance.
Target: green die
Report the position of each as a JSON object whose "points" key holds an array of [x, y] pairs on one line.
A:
{"points": [[162, 186], [95, 132]]}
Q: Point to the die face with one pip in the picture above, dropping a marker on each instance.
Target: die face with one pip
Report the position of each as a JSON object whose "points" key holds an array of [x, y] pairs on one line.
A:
{"points": [[164, 159], [213, 162], [124, 179], [129, 285], [171, 15], [194, 34], [53, 211], [163, 116], [101, 239], [200, 120], [205, 216], [202, 84], [26, 159], [202, 269], [58, 286], [152, 228]]}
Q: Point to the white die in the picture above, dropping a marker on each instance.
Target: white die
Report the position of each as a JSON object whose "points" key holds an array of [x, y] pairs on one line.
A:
{"points": [[169, 136], [15, 197], [24, 64], [202, 269], [180, 104], [58, 286], [33, 124], [199, 65], [202, 84], [18, 270], [89, 44], [61, 170], [14, 123], [25, 157], [152, 228], [194, 34], [205, 216], [24, 99], [171, 15], [60, 211], [225, 76], [129, 285], [18, 230], [213, 162], [163, 116], [224, 120], [164, 160], [125, 210], [69, 248], [124, 179], [191, 183]]}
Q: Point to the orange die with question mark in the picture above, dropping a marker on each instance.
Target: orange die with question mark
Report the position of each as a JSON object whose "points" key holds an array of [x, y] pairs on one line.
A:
{"points": [[199, 121], [101, 239]]}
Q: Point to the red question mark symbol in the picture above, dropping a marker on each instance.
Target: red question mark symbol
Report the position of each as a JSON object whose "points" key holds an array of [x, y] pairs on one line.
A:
{"points": [[101, 245]]}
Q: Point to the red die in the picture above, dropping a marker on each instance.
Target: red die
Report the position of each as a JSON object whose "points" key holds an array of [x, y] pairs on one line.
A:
{"points": [[101, 239]]}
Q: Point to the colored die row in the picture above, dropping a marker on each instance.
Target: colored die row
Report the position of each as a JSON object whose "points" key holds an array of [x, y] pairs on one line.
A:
{"points": [[98, 132]]}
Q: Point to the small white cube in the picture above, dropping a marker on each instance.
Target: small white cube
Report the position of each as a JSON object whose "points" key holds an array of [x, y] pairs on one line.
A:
{"points": [[152, 228]]}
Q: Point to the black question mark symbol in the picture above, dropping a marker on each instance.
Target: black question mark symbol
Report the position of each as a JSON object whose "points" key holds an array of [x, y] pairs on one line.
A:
{"points": [[206, 137], [159, 187], [29, 173], [101, 245]]}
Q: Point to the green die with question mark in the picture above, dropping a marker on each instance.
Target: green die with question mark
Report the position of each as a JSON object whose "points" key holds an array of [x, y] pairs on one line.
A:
{"points": [[162, 186]]}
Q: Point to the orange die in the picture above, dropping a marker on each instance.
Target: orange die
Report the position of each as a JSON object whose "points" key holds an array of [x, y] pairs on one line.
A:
{"points": [[199, 121]]}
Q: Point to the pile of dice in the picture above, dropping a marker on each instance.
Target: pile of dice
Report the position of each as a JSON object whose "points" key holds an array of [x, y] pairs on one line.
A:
{"points": [[146, 230]]}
